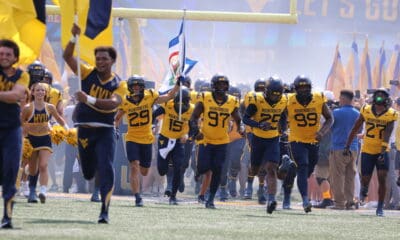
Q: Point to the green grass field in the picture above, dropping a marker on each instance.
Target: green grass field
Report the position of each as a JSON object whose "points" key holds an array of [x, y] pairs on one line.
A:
{"points": [[75, 217]]}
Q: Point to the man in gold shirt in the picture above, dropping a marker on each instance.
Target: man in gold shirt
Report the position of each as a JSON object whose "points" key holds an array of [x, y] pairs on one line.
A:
{"points": [[264, 115], [379, 119], [138, 107], [305, 109], [217, 107], [173, 137]]}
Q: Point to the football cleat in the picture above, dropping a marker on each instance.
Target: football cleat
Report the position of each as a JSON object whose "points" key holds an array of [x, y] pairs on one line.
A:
{"points": [[173, 201], [271, 207], [103, 218], [379, 212], [95, 198], [42, 197], [307, 207], [201, 199], [139, 202], [32, 198], [6, 223], [210, 205]]}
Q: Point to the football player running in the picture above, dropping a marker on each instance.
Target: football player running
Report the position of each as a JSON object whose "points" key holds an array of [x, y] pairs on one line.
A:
{"points": [[379, 119], [305, 109], [217, 107], [264, 115]]}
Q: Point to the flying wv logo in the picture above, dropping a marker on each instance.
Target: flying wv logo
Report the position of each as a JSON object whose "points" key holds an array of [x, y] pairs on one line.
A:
{"points": [[83, 142]]}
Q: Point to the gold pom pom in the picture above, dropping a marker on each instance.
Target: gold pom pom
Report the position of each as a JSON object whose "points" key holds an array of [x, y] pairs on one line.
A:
{"points": [[72, 137], [57, 134], [27, 149]]}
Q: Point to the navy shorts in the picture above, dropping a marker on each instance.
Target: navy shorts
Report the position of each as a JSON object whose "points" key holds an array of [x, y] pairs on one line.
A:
{"points": [[211, 157], [40, 142], [369, 161], [305, 154], [141, 152], [264, 150]]}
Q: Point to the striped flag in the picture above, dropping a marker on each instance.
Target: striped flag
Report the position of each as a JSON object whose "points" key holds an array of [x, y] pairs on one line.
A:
{"points": [[169, 79], [365, 81], [335, 81], [176, 49], [48, 59], [353, 68], [378, 73], [177, 55], [393, 71]]}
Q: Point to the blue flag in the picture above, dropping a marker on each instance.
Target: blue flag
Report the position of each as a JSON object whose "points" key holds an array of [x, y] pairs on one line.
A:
{"points": [[98, 17]]}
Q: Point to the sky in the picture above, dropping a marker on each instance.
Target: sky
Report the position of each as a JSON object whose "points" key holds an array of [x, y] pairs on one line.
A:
{"points": [[248, 51]]}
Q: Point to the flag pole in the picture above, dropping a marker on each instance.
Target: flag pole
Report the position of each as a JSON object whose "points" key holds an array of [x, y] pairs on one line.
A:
{"points": [[77, 49], [182, 64]]}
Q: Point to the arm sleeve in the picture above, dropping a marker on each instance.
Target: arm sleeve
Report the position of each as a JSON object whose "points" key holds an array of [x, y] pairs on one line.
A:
{"points": [[159, 111], [250, 111]]}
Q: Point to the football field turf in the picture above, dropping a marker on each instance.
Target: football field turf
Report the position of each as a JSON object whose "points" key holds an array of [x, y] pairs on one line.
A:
{"points": [[67, 216]]}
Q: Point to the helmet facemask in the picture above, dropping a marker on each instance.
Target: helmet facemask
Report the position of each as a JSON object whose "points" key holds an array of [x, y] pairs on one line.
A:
{"points": [[220, 88], [381, 98], [303, 94]]}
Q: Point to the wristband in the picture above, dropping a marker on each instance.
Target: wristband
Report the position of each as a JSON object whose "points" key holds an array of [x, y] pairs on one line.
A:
{"points": [[90, 100], [73, 39]]}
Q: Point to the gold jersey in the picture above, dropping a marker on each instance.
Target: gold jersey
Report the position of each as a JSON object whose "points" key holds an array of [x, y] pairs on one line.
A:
{"points": [[249, 97], [397, 134], [139, 117], [216, 118], [304, 121], [172, 127], [267, 113], [53, 95], [374, 128]]}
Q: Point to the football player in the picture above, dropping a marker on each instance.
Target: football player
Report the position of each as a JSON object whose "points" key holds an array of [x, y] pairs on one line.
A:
{"points": [[172, 138], [264, 115], [305, 109], [138, 106], [379, 119], [217, 107]]}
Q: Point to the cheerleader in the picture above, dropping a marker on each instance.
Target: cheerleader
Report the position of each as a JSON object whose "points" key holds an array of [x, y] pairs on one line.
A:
{"points": [[35, 117]]}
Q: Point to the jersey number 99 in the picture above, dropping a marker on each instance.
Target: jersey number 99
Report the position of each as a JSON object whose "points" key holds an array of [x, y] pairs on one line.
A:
{"points": [[304, 120]]}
